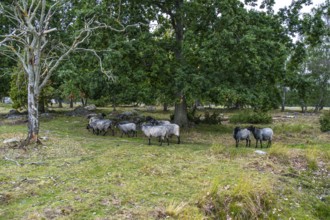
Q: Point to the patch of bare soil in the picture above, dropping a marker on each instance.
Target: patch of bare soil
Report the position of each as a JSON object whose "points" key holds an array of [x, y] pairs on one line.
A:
{"points": [[263, 166]]}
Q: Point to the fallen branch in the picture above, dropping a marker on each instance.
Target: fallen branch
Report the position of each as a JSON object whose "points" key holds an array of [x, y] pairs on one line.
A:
{"points": [[8, 159], [22, 164], [36, 163]]}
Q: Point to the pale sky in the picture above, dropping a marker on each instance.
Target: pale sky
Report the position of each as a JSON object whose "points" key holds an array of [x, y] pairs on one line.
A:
{"points": [[283, 3]]}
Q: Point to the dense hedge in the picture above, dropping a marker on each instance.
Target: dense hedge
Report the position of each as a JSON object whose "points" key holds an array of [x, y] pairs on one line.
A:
{"points": [[251, 117]]}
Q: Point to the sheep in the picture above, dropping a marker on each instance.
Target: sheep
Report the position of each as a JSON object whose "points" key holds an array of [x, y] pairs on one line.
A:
{"points": [[101, 125], [105, 125], [91, 124], [262, 134], [127, 128], [173, 129], [155, 131], [242, 134]]}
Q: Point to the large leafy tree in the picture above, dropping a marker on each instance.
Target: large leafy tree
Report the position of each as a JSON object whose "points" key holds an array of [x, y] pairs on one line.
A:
{"points": [[238, 53]]}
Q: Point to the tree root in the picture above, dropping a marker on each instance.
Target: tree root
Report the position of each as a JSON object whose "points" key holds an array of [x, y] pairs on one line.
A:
{"points": [[29, 141]]}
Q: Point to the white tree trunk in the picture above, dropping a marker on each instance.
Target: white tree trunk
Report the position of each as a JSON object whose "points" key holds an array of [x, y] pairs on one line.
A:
{"points": [[33, 114]]}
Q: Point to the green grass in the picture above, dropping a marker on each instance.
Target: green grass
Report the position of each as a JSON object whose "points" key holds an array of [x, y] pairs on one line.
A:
{"points": [[77, 175]]}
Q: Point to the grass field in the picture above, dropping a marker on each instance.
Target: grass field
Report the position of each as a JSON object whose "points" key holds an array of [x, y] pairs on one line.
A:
{"points": [[77, 175]]}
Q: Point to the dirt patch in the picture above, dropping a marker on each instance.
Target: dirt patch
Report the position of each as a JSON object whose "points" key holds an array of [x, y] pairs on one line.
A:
{"points": [[57, 212], [263, 166]]}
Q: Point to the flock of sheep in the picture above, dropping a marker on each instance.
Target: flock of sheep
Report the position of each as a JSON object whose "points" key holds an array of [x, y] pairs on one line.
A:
{"points": [[165, 129], [151, 128]]}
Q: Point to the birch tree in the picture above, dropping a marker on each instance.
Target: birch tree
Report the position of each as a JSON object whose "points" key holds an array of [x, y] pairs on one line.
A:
{"points": [[31, 41]]}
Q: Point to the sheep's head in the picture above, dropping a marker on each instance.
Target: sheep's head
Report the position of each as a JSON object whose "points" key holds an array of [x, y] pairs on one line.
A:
{"points": [[251, 128]]}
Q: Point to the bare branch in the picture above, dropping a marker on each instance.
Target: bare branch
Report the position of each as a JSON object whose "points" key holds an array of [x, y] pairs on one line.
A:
{"points": [[35, 10], [50, 30], [108, 73], [8, 159], [124, 28]]}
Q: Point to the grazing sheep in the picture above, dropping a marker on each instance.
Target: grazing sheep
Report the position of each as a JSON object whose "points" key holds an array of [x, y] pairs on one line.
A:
{"points": [[105, 125], [100, 125], [127, 128], [263, 134], [173, 129], [242, 134], [155, 131], [91, 124]]}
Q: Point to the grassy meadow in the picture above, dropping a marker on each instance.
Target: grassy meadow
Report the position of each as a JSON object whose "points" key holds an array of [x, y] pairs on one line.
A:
{"points": [[74, 174]]}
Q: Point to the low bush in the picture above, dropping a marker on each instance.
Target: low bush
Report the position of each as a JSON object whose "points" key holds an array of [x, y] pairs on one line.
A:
{"points": [[325, 121], [102, 102], [251, 117]]}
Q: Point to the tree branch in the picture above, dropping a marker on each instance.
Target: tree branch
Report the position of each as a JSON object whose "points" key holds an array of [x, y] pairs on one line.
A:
{"points": [[8, 159]]}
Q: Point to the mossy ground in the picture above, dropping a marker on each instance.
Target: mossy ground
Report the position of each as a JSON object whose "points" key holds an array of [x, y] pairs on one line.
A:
{"points": [[77, 175]]}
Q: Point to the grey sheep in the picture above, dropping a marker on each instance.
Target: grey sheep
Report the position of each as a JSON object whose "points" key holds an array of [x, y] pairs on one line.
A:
{"points": [[127, 128], [92, 124], [100, 125], [263, 134], [155, 131], [242, 134], [173, 129]]}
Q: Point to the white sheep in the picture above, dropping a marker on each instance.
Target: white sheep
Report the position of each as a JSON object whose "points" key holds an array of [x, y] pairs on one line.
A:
{"points": [[127, 128], [155, 131]]}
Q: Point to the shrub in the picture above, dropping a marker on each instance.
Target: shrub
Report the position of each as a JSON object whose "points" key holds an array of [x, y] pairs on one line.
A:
{"points": [[325, 121], [214, 118], [102, 102], [251, 117]]}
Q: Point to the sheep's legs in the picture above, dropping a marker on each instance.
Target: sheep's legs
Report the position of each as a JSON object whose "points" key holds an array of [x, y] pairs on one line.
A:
{"points": [[269, 143], [178, 139], [246, 142]]}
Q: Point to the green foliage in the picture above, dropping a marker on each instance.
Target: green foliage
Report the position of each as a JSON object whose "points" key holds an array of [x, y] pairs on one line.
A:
{"points": [[251, 117], [4, 81], [325, 121], [18, 89], [101, 102]]}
